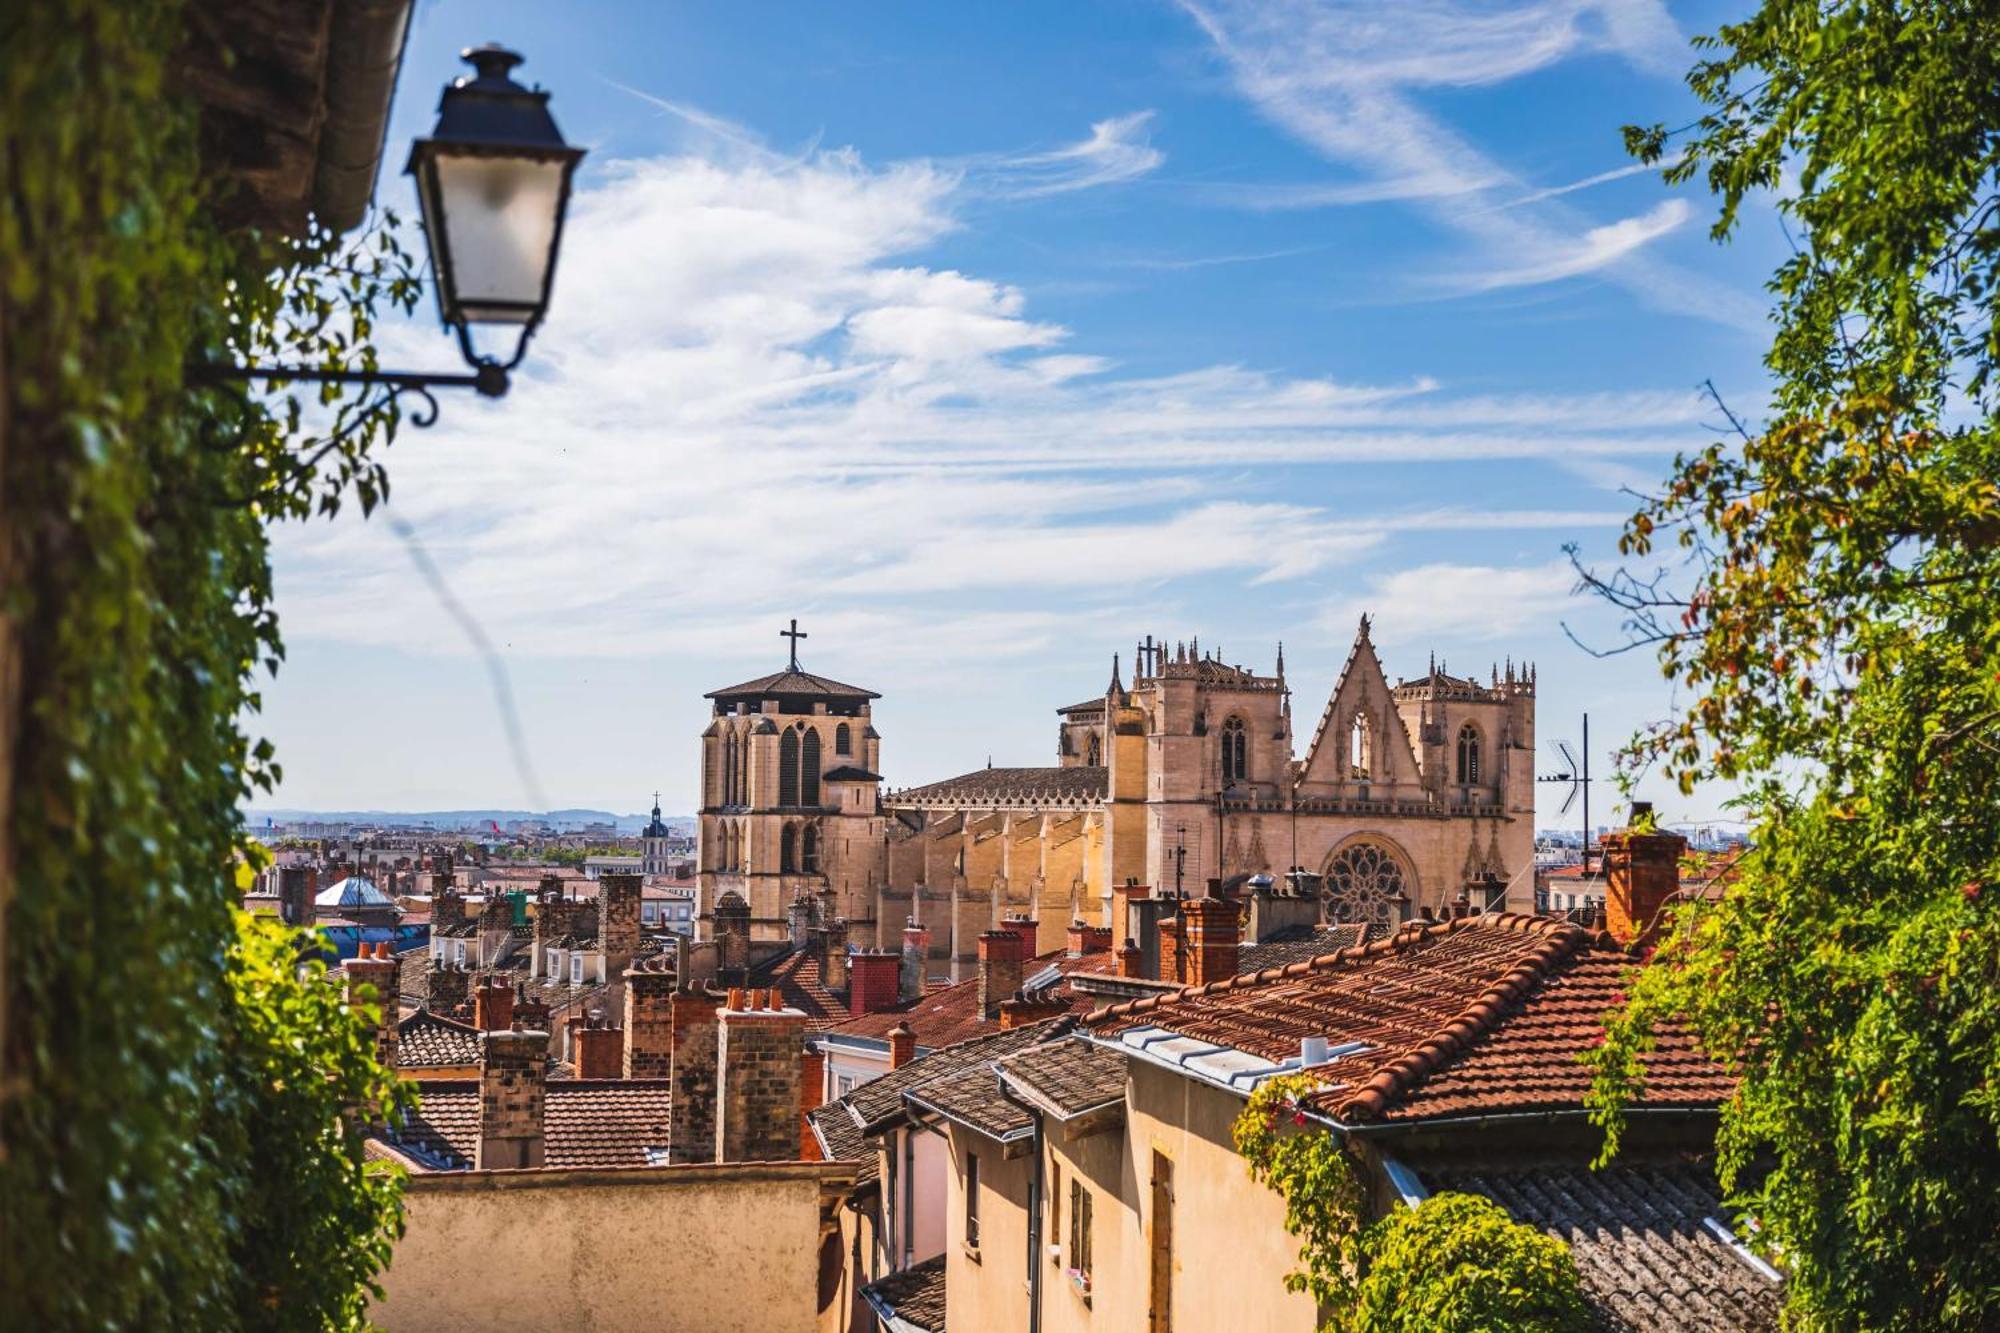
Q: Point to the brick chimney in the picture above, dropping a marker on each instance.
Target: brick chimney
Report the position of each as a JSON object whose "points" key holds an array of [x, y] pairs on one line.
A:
{"points": [[649, 1023], [449, 986], [902, 1045], [618, 903], [1169, 931], [812, 1094], [371, 983], [1131, 960], [530, 1013], [1642, 869], [1213, 932], [600, 1049], [1025, 1009], [757, 1086], [691, 1109], [513, 1070], [916, 959], [1000, 954], [1027, 929], [1083, 940], [872, 979], [493, 1006], [295, 904]]}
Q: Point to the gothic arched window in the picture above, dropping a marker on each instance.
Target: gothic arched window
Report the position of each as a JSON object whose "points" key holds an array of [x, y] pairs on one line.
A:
{"points": [[809, 770], [843, 740], [728, 794], [809, 850], [1235, 752], [1364, 883], [1360, 747], [788, 768], [1468, 754], [788, 842], [1095, 756]]}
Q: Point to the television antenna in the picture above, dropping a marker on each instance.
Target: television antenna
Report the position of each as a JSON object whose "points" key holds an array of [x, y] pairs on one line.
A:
{"points": [[1577, 775]]}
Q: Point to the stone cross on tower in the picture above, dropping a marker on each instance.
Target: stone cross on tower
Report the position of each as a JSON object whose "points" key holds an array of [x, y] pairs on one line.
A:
{"points": [[794, 634]]}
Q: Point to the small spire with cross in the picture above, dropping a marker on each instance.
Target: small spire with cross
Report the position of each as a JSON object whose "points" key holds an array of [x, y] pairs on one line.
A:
{"points": [[794, 634]]}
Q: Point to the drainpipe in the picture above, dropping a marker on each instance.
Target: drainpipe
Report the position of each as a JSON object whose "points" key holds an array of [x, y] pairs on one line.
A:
{"points": [[1034, 1209]]}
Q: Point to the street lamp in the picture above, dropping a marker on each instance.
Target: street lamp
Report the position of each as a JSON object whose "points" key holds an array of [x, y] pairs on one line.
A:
{"points": [[493, 182]]}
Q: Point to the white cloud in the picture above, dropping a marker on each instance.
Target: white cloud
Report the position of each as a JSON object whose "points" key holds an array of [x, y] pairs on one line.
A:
{"points": [[1467, 603], [1345, 80], [1592, 251], [1117, 149]]}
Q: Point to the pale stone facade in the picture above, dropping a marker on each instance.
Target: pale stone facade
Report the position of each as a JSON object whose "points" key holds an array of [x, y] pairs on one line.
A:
{"points": [[1407, 796]]}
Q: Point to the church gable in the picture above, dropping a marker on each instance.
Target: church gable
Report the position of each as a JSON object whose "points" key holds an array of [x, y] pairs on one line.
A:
{"points": [[1381, 751]]}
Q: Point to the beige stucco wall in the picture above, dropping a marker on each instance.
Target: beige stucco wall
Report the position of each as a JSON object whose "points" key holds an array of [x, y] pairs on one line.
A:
{"points": [[655, 1248]]}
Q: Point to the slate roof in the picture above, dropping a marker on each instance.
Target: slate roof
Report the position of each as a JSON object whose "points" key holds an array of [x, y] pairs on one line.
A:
{"points": [[1301, 943], [1087, 706], [1473, 1016], [1644, 1238], [850, 773], [879, 1101], [794, 683], [1066, 1078], [604, 1122], [1081, 782], [354, 891], [841, 1139], [951, 1014], [915, 1296], [426, 1040]]}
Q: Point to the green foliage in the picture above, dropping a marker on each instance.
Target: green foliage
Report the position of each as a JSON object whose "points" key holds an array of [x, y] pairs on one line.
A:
{"points": [[1840, 645], [155, 1109], [1456, 1263], [1321, 1187]]}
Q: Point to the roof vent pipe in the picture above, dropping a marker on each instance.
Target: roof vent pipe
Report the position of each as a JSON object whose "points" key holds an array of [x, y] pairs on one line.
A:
{"points": [[1312, 1051]]}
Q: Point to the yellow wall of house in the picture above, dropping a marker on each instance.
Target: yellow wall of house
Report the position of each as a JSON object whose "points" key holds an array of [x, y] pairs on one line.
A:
{"points": [[659, 1248], [983, 1285]]}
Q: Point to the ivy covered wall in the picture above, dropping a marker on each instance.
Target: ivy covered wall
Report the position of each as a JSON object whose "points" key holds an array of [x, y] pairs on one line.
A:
{"points": [[171, 1153]]}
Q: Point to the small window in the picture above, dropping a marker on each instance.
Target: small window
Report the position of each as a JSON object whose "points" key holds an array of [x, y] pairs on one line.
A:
{"points": [[1468, 754], [1078, 1255], [843, 1084], [809, 850], [972, 1200], [1055, 1205], [843, 739], [576, 968]]}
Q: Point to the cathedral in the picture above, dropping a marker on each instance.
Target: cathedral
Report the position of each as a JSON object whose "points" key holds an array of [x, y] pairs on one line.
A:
{"points": [[1409, 797]]}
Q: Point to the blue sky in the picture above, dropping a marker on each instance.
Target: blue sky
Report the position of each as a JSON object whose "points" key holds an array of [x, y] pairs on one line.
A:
{"points": [[986, 339]]}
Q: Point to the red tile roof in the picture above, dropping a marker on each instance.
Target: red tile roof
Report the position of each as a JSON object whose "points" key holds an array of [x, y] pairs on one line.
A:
{"points": [[797, 974], [604, 1122], [1076, 783], [951, 1014], [1474, 1016]]}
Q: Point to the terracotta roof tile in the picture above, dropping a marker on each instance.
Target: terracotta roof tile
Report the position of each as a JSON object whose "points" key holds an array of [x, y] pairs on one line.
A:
{"points": [[951, 1014], [795, 683], [914, 1296], [880, 1100], [608, 1122], [1067, 1077], [1296, 944], [842, 1140], [797, 974], [1640, 1235], [1483, 1014]]}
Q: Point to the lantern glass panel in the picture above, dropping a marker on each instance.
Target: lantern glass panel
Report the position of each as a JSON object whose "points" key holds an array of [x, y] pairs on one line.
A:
{"points": [[500, 218]]}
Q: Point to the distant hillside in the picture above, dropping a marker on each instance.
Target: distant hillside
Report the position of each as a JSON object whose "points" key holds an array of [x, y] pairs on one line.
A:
{"points": [[455, 820]]}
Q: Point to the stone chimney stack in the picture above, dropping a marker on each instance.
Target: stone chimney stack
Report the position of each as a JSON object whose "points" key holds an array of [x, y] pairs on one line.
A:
{"points": [[649, 1023], [691, 1132], [1212, 936], [799, 919], [513, 1071], [1084, 940], [833, 954], [493, 1006], [450, 993], [916, 959], [600, 1049], [447, 903], [1642, 869], [1000, 954], [371, 983], [732, 935], [295, 904], [757, 1093], [1024, 1009], [618, 902], [1131, 960], [902, 1045], [871, 982]]}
